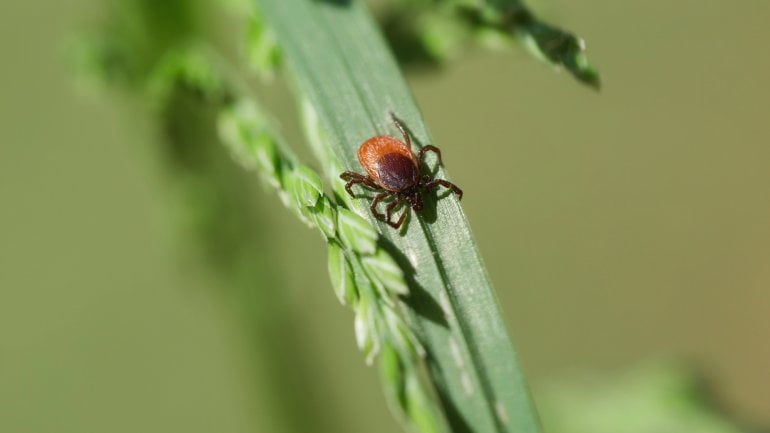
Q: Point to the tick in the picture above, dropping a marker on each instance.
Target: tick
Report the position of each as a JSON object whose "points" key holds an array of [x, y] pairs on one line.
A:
{"points": [[393, 170]]}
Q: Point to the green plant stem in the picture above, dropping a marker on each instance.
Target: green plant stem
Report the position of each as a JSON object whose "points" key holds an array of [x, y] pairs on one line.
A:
{"points": [[347, 74]]}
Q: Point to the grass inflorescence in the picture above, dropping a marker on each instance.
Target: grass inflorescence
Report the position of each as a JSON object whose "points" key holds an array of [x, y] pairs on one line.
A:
{"points": [[364, 276]]}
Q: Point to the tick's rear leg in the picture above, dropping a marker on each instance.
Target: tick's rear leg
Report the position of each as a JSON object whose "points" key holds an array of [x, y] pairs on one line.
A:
{"points": [[353, 178], [447, 184], [373, 207], [389, 211]]}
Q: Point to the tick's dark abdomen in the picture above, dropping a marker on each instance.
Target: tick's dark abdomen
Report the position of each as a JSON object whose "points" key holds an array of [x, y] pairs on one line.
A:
{"points": [[396, 172]]}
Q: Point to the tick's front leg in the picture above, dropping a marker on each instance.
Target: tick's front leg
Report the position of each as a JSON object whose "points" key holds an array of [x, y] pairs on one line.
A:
{"points": [[401, 128]]}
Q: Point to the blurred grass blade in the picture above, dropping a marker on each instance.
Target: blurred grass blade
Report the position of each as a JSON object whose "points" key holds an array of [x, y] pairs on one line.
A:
{"points": [[345, 71], [554, 45], [545, 41]]}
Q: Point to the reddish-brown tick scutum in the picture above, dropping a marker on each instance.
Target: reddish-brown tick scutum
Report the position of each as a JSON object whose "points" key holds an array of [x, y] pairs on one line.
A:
{"points": [[394, 171]]}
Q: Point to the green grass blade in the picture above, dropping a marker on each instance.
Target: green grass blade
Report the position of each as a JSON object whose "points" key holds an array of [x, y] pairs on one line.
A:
{"points": [[347, 74]]}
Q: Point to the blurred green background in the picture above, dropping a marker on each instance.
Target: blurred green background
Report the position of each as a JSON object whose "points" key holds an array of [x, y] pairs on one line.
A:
{"points": [[618, 228]]}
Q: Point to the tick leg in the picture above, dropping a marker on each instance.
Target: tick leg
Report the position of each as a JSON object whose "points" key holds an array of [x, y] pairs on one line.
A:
{"points": [[381, 196], [430, 148], [400, 220], [401, 128], [447, 184], [353, 178], [391, 207]]}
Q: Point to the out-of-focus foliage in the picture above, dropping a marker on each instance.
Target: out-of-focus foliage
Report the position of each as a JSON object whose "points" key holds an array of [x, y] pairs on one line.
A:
{"points": [[430, 32], [652, 398], [161, 54]]}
